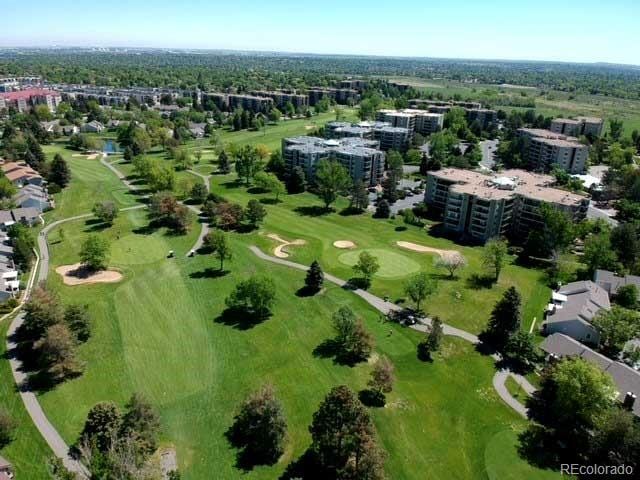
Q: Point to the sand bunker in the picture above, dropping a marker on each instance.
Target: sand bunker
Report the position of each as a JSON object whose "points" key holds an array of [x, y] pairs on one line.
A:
{"points": [[76, 274], [414, 247], [344, 244], [309, 127], [279, 250], [89, 156]]}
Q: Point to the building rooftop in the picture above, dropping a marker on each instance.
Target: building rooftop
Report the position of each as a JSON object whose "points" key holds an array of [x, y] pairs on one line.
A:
{"points": [[27, 94], [612, 282], [626, 378], [583, 302], [508, 183]]}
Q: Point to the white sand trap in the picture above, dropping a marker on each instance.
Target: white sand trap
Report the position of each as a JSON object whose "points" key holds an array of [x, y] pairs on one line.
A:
{"points": [[344, 244], [76, 274], [93, 156], [279, 251], [309, 127], [414, 247]]}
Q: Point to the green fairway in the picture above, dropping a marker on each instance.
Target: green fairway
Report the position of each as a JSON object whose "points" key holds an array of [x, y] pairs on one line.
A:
{"points": [[160, 332], [392, 264]]}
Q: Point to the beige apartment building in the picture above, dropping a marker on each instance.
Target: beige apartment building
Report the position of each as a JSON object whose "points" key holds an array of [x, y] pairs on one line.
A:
{"points": [[546, 149], [416, 121], [589, 126], [478, 206]]}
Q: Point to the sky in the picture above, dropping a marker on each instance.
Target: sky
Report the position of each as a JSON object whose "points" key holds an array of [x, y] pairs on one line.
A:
{"points": [[559, 30]]}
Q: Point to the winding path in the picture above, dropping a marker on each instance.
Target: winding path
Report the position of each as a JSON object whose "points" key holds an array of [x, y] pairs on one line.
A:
{"points": [[384, 307], [205, 178], [45, 427]]}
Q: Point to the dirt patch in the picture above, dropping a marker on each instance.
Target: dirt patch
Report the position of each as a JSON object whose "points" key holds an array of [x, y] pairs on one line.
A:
{"points": [[344, 244], [280, 251], [76, 274], [309, 127], [168, 461], [414, 247]]}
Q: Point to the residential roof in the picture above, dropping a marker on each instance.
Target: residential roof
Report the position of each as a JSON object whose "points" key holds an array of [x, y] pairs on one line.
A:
{"points": [[626, 378], [27, 94], [584, 300], [493, 187], [4, 463], [15, 171], [612, 282]]}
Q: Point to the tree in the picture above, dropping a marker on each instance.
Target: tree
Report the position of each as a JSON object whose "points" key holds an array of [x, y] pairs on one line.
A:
{"points": [[451, 263], [616, 128], [247, 163], [432, 340], [94, 253], [315, 278], [419, 287], [255, 212], [106, 211], [354, 342], [229, 215], [58, 353], [558, 232], [276, 164], [102, 424], [23, 245], [76, 317], [389, 188], [616, 439], [343, 438], [217, 242], [269, 183], [572, 395], [367, 266], [59, 172], [627, 296], [223, 163], [494, 256], [382, 210], [625, 242], [598, 253], [359, 197], [332, 179], [382, 377], [616, 327], [141, 423], [7, 189], [505, 319], [260, 428], [42, 310], [296, 182], [521, 351], [199, 193], [7, 428], [254, 296]]}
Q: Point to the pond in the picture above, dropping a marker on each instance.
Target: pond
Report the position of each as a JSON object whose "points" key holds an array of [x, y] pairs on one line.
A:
{"points": [[111, 147]]}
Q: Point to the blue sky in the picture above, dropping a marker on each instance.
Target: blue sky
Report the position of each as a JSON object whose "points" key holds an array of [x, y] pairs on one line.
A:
{"points": [[567, 30]]}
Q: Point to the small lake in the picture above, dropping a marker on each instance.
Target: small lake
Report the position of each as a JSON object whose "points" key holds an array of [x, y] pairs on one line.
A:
{"points": [[111, 147]]}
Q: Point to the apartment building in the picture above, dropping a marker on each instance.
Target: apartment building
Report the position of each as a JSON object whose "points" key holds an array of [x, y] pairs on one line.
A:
{"points": [[364, 163], [589, 126], [473, 110], [342, 96], [24, 100], [354, 84], [485, 116], [393, 138], [9, 84], [545, 149], [299, 101], [228, 102], [417, 121], [478, 206]]}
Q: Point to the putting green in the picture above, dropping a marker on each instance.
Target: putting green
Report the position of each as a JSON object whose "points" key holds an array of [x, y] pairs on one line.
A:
{"points": [[136, 249], [392, 264]]}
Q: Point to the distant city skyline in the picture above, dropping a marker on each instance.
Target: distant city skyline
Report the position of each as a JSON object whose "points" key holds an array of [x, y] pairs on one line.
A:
{"points": [[585, 31]]}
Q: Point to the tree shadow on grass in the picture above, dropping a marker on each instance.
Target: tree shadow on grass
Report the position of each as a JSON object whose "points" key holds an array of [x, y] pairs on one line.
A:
{"points": [[96, 225], [209, 273], [232, 184], [350, 211], [356, 283], [307, 467], [246, 457], [477, 281], [331, 348], [538, 447], [313, 210], [256, 190], [371, 398], [240, 319], [269, 201], [304, 292]]}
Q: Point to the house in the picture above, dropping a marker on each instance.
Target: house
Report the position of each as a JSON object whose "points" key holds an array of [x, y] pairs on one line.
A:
{"points": [[9, 281], [51, 127], [21, 174], [29, 216], [626, 379], [572, 309], [6, 469], [33, 196], [197, 129], [93, 127], [612, 282]]}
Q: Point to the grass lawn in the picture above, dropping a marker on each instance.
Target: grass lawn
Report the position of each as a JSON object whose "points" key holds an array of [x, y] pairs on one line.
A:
{"points": [[160, 331], [458, 301], [516, 390], [28, 452]]}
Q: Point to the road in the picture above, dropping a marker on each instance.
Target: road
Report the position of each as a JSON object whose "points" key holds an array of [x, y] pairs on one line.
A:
{"points": [[385, 307], [488, 148]]}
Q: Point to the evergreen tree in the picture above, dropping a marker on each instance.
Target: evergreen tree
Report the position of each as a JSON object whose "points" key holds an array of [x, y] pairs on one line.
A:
{"points": [[505, 319], [223, 163], [382, 210], [59, 172], [315, 277], [432, 340], [296, 182], [359, 197]]}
